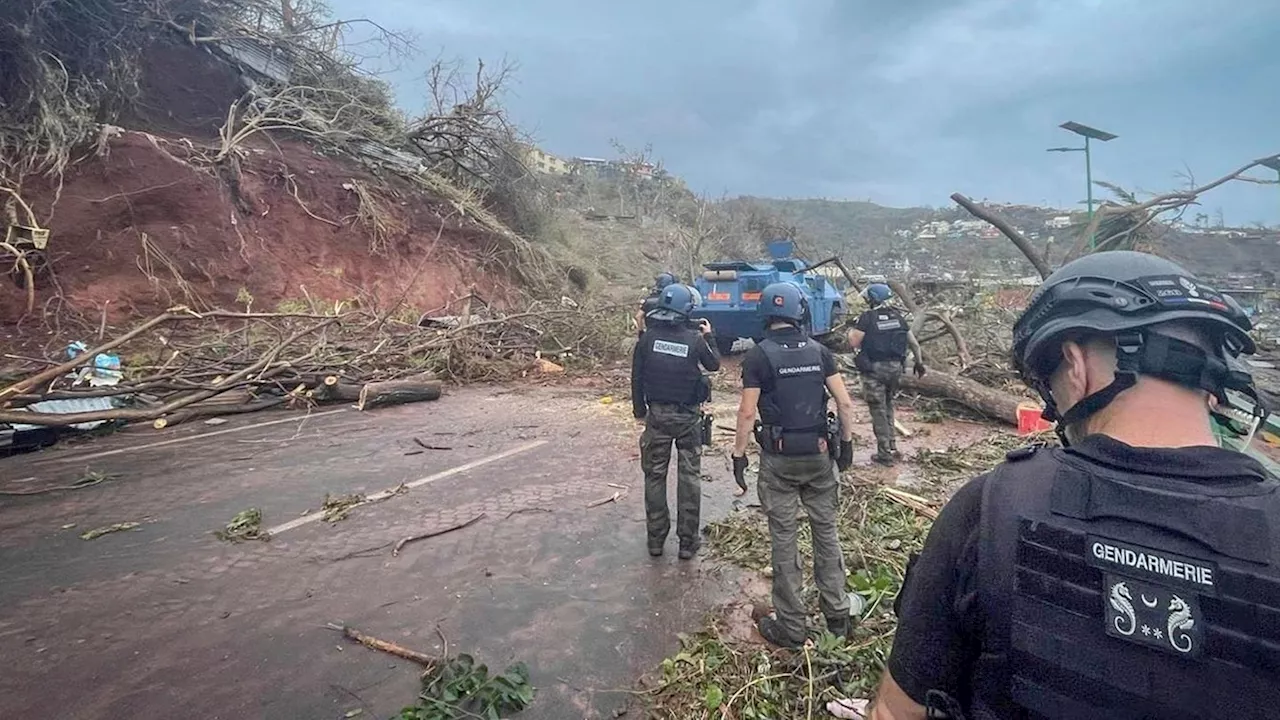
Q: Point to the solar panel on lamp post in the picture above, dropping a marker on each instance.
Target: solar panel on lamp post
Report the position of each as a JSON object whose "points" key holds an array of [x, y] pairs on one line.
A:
{"points": [[1088, 133]]}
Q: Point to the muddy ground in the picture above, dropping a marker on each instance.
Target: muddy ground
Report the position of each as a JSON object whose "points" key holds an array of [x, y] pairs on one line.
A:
{"points": [[167, 621]]}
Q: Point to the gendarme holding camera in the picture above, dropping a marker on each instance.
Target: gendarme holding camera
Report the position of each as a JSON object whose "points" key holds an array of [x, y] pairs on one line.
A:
{"points": [[667, 391]]}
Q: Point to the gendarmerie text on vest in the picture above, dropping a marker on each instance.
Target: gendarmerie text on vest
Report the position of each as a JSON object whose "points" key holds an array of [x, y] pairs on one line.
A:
{"points": [[1151, 561]]}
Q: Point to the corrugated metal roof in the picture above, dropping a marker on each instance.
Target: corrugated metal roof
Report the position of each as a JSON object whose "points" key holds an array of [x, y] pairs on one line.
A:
{"points": [[66, 407], [404, 161], [255, 56]]}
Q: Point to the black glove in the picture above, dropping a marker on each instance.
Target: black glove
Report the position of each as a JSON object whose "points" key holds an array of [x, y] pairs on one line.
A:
{"points": [[740, 471], [919, 369], [845, 460]]}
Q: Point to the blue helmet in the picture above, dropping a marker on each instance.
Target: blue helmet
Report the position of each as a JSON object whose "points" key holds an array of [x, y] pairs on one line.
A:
{"points": [[663, 280], [781, 301], [676, 302], [877, 293]]}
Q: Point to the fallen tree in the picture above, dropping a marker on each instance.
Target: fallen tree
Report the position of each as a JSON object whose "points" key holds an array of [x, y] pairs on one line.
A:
{"points": [[987, 401], [1114, 225], [183, 364]]}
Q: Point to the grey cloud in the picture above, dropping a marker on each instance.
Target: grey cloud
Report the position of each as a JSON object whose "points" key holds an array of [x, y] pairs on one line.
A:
{"points": [[897, 102]]}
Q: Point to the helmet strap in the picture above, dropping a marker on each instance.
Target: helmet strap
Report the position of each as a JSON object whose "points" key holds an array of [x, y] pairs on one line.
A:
{"points": [[1143, 353]]}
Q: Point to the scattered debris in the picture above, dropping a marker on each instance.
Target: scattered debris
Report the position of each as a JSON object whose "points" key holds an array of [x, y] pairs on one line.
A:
{"points": [[462, 688], [99, 532], [903, 430], [529, 509], [612, 498], [961, 463], [425, 446], [214, 363], [879, 528], [89, 479], [413, 538], [546, 367], [246, 525], [454, 687], [915, 502], [336, 507], [391, 648]]}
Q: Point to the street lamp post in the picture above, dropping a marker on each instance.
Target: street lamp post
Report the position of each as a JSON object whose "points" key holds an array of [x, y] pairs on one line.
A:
{"points": [[1087, 133], [1274, 164]]}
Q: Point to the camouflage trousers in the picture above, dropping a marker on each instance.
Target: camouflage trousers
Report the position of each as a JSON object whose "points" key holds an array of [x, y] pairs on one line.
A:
{"points": [[879, 385], [664, 425], [786, 483]]}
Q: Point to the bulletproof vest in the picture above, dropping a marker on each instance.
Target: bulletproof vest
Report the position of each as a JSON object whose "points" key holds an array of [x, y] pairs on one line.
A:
{"points": [[671, 372], [887, 337], [793, 408], [1110, 594]]}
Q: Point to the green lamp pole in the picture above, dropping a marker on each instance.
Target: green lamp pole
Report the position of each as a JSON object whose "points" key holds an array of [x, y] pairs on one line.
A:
{"points": [[1087, 133]]}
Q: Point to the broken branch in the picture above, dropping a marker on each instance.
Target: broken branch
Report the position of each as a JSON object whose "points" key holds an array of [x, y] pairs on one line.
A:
{"points": [[414, 538], [386, 646], [1007, 230]]}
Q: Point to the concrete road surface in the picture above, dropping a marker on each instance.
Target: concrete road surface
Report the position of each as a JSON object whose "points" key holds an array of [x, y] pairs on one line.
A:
{"points": [[166, 621]]}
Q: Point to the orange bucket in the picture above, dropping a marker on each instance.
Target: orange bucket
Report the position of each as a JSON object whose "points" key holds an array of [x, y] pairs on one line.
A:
{"points": [[1029, 420]]}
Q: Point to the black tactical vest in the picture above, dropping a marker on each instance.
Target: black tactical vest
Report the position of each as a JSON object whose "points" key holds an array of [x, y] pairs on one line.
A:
{"points": [[1113, 595], [671, 372], [887, 337], [793, 409]]}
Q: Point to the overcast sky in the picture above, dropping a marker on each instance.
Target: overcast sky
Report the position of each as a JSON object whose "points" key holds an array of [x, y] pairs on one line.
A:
{"points": [[901, 103]]}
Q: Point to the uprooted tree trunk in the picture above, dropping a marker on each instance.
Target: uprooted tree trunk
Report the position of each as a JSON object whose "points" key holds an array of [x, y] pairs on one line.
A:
{"points": [[395, 392], [995, 404]]}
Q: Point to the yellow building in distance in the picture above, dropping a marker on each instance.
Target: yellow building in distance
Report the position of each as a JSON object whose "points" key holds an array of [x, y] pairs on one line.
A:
{"points": [[539, 160]]}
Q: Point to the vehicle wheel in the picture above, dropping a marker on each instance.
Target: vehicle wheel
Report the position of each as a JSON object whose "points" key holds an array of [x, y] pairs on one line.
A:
{"points": [[725, 344]]}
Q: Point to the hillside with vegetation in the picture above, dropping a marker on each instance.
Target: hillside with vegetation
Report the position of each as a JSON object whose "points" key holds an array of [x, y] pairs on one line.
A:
{"points": [[949, 239]]}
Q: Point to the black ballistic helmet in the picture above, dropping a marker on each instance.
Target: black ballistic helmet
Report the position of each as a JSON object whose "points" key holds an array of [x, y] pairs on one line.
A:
{"points": [[1121, 294], [781, 301]]}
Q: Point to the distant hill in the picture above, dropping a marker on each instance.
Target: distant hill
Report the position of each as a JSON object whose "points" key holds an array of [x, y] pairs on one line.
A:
{"points": [[881, 238]]}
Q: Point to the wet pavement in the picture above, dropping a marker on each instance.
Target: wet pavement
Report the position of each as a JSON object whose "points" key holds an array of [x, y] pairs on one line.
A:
{"points": [[167, 621]]}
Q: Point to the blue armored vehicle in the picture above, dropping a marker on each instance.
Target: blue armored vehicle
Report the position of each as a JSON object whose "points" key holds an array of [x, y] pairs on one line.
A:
{"points": [[731, 293]]}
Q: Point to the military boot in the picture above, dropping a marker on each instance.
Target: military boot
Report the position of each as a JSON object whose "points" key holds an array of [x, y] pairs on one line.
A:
{"points": [[655, 547], [689, 549], [771, 630], [839, 626]]}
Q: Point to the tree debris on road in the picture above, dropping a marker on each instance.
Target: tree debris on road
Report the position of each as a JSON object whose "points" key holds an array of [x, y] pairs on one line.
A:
{"points": [[183, 364], [336, 507], [246, 525], [391, 648], [414, 538], [99, 532]]}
